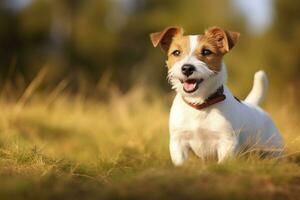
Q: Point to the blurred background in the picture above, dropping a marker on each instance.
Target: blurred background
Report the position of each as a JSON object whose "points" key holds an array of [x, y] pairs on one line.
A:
{"points": [[93, 46]]}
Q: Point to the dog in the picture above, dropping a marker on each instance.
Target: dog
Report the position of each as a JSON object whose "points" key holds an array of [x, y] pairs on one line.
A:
{"points": [[205, 117]]}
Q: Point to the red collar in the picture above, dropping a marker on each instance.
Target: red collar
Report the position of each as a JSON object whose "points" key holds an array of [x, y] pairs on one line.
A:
{"points": [[216, 97]]}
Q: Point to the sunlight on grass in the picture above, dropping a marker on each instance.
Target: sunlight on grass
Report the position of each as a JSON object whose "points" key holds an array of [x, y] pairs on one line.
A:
{"points": [[119, 149]]}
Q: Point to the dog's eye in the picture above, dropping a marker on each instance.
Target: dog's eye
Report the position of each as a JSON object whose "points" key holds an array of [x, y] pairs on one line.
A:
{"points": [[206, 52], [176, 53]]}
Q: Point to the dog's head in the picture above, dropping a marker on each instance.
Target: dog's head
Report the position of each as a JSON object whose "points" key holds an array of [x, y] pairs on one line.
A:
{"points": [[195, 61]]}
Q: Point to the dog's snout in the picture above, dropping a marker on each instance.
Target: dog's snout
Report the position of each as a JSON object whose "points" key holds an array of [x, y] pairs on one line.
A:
{"points": [[188, 69]]}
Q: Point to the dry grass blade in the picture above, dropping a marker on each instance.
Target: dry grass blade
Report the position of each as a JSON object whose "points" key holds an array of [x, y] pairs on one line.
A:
{"points": [[35, 83], [56, 92]]}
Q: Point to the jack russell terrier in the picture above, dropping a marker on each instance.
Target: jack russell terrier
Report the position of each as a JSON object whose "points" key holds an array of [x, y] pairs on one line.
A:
{"points": [[205, 117]]}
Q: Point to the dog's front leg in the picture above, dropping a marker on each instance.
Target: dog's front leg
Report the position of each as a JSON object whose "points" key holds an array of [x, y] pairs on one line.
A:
{"points": [[178, 151], [226, 149]]}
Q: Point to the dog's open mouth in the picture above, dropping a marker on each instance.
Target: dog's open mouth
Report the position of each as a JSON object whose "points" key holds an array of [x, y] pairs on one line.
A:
{"points": [[191, 85]]}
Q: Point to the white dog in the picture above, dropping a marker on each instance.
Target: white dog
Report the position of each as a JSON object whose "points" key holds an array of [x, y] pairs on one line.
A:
{"points": [[205, 117]]}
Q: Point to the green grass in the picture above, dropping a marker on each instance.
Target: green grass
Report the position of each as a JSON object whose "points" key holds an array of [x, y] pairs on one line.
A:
{"points": [[72, 148]]}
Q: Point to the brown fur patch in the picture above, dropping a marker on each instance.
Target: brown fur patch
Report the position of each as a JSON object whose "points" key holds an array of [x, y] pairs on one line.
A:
{"points": [[214, 60], [180, 43], [219, 42]]}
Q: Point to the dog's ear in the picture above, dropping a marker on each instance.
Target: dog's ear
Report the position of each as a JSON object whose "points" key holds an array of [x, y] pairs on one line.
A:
{"points": [[164, 38], [225, 40]]}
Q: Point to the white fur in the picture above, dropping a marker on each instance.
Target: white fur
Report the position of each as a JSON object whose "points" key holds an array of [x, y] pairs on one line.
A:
{"points": [[224, 128], [259, 89], [193, 42]]}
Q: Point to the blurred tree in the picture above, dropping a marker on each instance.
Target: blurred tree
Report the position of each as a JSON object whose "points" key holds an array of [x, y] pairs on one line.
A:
{"points": [[23, 38], [86, 40], [283, 44]]}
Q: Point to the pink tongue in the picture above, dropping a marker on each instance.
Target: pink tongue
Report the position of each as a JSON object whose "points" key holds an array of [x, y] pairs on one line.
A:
{"points": [[189, 86]]}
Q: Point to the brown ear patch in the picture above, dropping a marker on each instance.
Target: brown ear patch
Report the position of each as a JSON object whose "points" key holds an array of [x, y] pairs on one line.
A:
{"points": [[232, 38], [221, 39], [164, 38]]}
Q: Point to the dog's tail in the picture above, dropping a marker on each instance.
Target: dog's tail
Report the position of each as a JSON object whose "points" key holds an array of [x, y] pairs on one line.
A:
{"points": [[259, 89]]}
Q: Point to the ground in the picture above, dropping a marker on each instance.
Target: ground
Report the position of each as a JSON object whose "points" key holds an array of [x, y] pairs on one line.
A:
{"points": [[68, 147]]}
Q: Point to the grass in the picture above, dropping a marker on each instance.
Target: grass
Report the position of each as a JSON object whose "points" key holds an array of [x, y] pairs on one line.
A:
{"points": [[73, 148]]}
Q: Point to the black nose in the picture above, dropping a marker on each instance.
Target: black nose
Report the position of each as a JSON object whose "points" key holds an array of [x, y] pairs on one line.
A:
{"points": [[187, 69]]}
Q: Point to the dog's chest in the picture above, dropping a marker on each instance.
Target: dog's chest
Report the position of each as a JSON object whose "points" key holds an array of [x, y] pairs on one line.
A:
{"points": [[202, 131]]}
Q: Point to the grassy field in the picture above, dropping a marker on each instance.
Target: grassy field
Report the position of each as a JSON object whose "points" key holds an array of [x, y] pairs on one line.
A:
{"points": [[66, 147]]}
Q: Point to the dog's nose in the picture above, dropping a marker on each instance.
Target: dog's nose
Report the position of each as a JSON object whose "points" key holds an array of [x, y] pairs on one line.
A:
{"points": [[188, 69]]}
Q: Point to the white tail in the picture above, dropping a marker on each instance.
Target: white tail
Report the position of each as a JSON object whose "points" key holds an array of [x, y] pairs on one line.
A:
{"points": [[259, 89]]}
